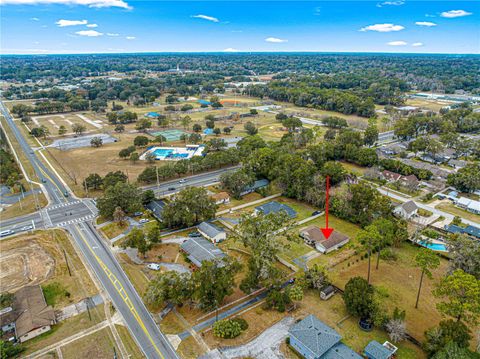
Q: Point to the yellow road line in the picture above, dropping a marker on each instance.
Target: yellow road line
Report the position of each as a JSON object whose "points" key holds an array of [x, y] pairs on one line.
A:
{"points": [[126, 299], [59, 190]]}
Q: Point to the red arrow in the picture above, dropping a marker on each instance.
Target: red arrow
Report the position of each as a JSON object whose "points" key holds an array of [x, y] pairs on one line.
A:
{"points": [[327, 231]]}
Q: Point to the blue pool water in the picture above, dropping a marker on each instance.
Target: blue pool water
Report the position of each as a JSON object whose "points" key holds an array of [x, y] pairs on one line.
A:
{"points": [[162, 152], [435, 246]]}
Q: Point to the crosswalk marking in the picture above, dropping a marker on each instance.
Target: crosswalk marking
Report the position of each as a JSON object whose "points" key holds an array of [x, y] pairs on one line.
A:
{"points": [[76, 220]]}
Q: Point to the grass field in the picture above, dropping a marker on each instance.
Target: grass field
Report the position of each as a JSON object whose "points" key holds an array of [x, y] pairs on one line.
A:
{"points": [[99, 345], [24, 206], [129, 342], [54, 121], [113, 229], [333, 311], [399, 280], [450, 208]]}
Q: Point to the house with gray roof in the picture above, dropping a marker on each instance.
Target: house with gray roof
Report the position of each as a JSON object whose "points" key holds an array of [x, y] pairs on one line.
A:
{"points": [[156, 206], [313, 339], [375, 350], [199, 250], [212, 232], [406, 210], [261, 183], [275, 207]]}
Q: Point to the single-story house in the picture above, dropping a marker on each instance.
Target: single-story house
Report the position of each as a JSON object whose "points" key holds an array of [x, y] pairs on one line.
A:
{"points": [[199, 250], [375, 350], [327, 292], [221, 198], [410, 181], [275, 207], [406, 210], [156, 206], [313, 339], [29, 315], [261, 183], [470, 230], [469, 204], [391, 176], [212, 232], [313, 236], [457, 164]]}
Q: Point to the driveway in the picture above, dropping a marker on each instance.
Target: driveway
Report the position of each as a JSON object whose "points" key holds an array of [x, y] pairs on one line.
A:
{"points": [[266, 345]]}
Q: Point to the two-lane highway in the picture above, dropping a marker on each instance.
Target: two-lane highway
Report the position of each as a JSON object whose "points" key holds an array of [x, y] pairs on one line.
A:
{"points": [[97, 254]]}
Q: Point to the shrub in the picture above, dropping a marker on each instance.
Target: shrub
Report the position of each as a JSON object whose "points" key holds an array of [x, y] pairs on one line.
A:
{"points": [[387, 254], [243, 323], [227, 329]]}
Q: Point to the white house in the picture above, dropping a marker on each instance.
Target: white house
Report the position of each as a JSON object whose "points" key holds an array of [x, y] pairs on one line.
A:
{"points": [[406, 210]]}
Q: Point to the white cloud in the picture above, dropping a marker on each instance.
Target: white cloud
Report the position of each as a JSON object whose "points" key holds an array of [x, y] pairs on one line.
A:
{"points": [[130, 37], [34, 19], [64, 23], [237, 31], [230, 49], [112, 34], [89, 33], [89, 3], [275, 40], [396, 43], [455, 13], [206, 17], [417, 44], [391, 3], [383, 28], [92, 25], [425, 23]]}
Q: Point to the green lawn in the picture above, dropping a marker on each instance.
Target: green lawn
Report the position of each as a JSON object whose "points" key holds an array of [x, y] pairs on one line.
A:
{"points": [[450, 208]]}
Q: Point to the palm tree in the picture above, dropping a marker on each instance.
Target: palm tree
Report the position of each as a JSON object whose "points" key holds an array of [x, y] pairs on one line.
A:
{"points": [[370, 239], [426, 260]]}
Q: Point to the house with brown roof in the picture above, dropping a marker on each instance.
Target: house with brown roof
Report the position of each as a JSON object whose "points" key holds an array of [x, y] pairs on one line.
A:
{"points": [[221, 198], [30, 315], [313, 235], [410, 181], [391, 176]]}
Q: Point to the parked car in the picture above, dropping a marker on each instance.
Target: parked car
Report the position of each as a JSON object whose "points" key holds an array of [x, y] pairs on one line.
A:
{"points": [[138, 214], [153, 266], [316, 213], [7, 232], [143, 220], [194, 234]]}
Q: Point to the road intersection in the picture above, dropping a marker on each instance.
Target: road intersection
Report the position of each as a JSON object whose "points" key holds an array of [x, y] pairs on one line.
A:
{"points": [[75, 216]]}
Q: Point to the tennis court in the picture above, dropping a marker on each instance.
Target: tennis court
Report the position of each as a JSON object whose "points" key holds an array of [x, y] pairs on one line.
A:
{"points": [[170, 135]]}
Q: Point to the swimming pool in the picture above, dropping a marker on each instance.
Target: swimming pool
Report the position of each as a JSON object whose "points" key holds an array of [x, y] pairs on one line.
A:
{"points": [[434, 246], [162, 152]]}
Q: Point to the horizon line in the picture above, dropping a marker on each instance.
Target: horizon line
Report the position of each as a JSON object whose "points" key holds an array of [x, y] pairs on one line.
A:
{"points": [[239, 52]]}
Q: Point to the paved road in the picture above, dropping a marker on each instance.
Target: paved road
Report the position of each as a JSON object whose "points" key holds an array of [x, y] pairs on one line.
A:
{"points": [[97, 254], [199, 180], [425, 206]]}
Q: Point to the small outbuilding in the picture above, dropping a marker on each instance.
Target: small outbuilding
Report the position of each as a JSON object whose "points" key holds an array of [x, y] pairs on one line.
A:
{"points": [[327, 292], [375, 350]]}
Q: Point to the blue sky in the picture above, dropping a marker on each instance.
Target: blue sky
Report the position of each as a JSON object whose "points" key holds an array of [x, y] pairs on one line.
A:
{"points": [[85, 26]]}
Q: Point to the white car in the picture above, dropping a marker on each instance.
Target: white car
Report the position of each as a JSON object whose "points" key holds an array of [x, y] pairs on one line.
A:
{"points": [[143, 220], [153, 266], [7, 232], [183, 180], [27, 228]]}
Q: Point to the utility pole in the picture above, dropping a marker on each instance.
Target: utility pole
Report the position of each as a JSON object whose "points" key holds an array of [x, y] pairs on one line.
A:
{"points": [[158, 182]]}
